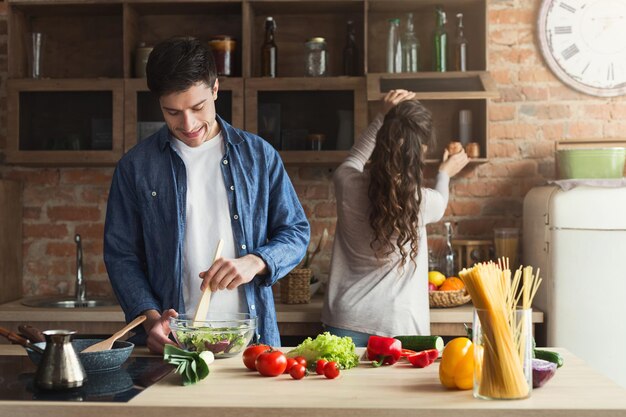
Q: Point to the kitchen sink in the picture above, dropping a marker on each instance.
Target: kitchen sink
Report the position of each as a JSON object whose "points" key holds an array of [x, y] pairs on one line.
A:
{"points": [[56, 302]]}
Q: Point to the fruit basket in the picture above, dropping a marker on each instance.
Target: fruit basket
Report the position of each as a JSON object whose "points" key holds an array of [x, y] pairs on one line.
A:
{"points": [[442, 299]]}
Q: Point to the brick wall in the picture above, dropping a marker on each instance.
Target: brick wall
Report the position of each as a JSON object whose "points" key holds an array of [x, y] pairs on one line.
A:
{"points": [[534, 111]]}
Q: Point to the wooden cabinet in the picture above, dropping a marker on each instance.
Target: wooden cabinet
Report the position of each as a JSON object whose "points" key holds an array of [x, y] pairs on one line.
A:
{"points": [[89, 106], [444, 94], [10, 240]]}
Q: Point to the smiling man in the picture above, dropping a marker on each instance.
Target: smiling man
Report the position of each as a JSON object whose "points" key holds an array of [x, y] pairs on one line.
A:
{"points": [[194, 182]]}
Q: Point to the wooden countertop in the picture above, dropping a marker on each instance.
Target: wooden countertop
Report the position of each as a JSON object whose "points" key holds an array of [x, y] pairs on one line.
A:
{"points": [[288, 313], [293, 319], [399, 390]]}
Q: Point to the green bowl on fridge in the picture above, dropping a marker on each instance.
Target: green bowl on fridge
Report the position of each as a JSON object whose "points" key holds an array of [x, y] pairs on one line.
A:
{"points": [[595, 163]]}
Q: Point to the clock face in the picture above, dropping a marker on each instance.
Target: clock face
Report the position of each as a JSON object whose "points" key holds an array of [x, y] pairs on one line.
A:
{"points": [[584, 43]]}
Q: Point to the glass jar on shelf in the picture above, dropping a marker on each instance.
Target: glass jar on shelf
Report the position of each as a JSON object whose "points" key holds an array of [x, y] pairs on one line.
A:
{"points": [[316, 58], [223, 48]]}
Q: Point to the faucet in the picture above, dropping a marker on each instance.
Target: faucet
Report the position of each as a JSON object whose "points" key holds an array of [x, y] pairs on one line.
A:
{"points": [[80, 282]]}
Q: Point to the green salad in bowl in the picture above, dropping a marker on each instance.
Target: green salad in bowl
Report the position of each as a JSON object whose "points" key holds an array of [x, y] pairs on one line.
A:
{"points": [[224, 334]]}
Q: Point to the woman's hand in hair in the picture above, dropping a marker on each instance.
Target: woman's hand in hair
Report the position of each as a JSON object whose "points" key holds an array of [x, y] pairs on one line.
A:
{"points": [[453, 164], [393, 97]]}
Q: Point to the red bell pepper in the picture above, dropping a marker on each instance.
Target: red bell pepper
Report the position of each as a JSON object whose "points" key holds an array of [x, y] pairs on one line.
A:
{"points": [[407, 352], [383, 350], [424, 358]]}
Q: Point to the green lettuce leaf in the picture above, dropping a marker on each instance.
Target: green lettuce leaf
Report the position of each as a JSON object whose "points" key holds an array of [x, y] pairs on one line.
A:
{"points": [[329, 347]]}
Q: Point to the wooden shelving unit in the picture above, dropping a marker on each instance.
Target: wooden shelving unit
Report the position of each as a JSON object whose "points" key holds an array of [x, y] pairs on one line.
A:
{"points": [[89, 48]]}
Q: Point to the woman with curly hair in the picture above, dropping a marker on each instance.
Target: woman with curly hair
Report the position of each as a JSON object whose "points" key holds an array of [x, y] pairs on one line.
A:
{"points": [[378, 282]]}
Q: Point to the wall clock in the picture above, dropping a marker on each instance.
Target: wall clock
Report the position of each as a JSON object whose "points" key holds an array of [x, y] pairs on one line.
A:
{"points": [[584, 44]]}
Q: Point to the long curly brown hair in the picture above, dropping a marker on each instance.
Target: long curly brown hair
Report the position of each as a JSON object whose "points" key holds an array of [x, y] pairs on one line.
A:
{"points": [[396, 177]]}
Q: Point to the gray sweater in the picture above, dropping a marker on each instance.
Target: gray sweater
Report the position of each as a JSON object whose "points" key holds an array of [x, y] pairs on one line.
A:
{"points": [[365, 294]]}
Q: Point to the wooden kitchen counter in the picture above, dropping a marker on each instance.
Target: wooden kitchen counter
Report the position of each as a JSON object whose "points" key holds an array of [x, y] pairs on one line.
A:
{"points": [[399, 390], [293, 319]]}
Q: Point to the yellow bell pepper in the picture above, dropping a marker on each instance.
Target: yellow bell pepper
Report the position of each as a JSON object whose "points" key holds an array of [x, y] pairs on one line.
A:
{"points": [[456, 369]]}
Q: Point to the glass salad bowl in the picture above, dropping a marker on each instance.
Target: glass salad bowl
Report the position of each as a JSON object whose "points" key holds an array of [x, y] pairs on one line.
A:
{"points": [[224, 334]]}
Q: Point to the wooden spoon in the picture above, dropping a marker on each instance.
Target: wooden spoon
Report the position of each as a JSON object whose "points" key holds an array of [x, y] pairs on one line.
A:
{"points": [[203, 305], [107, 344]]}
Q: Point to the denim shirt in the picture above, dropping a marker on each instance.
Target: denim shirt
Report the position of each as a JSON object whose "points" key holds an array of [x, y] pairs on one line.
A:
{"points": [[145, 224]]}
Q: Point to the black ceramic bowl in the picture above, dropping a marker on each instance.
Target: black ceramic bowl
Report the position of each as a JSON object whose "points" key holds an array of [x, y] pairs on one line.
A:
{"points": [[104, 360]]}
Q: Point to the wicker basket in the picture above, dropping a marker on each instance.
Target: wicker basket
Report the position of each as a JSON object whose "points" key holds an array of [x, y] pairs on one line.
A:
{"points": [[295, 287], [448, 298]]}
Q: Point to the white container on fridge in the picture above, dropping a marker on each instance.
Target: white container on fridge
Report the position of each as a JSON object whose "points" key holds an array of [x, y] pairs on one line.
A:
{"points": [[578, 239]]}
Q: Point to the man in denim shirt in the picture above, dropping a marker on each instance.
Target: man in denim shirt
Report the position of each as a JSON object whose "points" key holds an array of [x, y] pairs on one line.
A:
{"points": [[194, 182]]}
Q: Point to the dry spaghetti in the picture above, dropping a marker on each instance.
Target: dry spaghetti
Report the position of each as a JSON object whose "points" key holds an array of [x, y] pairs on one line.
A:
{"points": [[496, 298]]}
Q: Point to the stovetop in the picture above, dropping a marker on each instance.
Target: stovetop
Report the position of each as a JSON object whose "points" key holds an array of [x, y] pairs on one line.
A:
{"points": [[17, 374]]}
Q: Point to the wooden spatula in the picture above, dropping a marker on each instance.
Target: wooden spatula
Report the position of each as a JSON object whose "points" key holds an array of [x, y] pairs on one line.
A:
{"points": [[203, 305], [107, 344]]}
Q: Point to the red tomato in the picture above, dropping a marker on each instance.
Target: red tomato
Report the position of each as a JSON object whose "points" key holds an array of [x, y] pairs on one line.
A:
{"points": [[271, 363], [301, 360], [298, 371], [319, 366], [250, 354], [331, 370], [290, 362]]}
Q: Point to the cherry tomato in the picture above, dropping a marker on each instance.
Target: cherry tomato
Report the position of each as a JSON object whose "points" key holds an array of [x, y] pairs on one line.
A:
{"points": [[331, 370], [251, 353], [298, 371], [319, 366], [290, 362], [271, 363], [301, 360]]}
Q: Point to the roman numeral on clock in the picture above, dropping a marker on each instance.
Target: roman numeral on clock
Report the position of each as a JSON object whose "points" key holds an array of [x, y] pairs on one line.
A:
{"points": [[570, 51], [562, 30], [567, 7], [610, 73]]}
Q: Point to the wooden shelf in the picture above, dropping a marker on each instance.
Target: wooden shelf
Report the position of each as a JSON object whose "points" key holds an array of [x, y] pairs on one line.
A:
{"points": [[304, 105], [434, 85], [41, 133], [90, 46], [313, 157]]}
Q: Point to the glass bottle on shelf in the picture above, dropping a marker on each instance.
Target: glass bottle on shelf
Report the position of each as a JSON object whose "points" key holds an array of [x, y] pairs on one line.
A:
{"points": [[440, 42], [394, 47], [410, 47], [316, 58], [269, 50], [350, 52], [449, 257], [460, 46]]}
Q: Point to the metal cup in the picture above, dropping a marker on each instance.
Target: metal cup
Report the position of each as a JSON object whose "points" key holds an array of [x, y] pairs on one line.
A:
{"points": [[59, 367]]}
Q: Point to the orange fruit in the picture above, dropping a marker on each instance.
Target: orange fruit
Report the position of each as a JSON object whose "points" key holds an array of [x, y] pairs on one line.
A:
{"points": [[452, 284]]}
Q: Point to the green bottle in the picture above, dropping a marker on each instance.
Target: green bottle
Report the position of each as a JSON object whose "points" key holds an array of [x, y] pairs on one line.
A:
{"points": [[440, 42]]}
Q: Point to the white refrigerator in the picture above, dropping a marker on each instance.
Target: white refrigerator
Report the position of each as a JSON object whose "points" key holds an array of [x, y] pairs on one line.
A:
{"points": [[578, 239]]}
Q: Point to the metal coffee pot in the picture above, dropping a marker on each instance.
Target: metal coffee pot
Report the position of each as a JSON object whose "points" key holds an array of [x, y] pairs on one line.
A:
{"points": [[59, 367]]}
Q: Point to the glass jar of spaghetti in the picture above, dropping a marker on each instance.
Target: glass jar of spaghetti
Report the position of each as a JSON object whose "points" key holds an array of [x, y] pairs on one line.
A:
{"points": [[223, 48]]}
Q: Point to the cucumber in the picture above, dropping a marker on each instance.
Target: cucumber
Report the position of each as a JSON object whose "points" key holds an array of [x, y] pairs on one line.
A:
{"points": [[549, 356], [419, 343]]}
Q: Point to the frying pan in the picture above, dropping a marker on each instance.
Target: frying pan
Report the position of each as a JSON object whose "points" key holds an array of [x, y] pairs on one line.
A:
{"points": [[104, 360]]}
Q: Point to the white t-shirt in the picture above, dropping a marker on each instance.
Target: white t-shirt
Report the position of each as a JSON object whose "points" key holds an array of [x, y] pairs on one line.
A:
{"points": [[365, 294], [208, 220]]}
